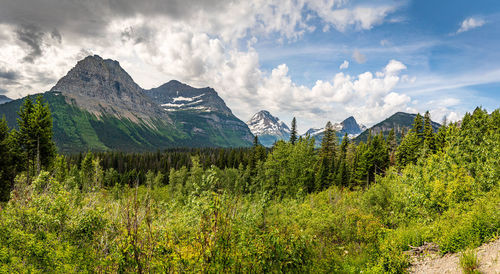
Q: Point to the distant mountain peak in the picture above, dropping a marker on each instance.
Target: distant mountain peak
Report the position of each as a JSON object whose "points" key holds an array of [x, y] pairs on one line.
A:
{"points": [[268, 127], [4, 99], [349, 126]]}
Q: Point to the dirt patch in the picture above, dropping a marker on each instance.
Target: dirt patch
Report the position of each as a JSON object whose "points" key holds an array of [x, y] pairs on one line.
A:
{"points": [[431, 262]]}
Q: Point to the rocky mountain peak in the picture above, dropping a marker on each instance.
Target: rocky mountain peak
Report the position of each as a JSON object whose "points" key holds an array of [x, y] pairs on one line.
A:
{"points": [[351, 126], [268, 127], [102, 86], [177, 96]]}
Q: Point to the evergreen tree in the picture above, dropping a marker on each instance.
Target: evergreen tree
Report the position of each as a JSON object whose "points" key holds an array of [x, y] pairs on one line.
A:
{"points": [[342, 174], [7, 170], [24, 137], [408, 150], [429, 143], [34, 138], [326, 164], [293, 132], [392, 145], [42, 125], [380, 156], [418, 126]]}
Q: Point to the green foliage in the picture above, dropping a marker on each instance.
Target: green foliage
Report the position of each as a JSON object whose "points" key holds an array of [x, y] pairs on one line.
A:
{"points": [[293, 131], [253, 211], [7, 167], [469, 262]]}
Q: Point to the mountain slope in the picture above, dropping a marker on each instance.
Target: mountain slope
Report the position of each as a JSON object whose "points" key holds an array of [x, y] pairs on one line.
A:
{"points": [[400, 121], [78, 130], [268, 128], [4, 99], [202, 114]]}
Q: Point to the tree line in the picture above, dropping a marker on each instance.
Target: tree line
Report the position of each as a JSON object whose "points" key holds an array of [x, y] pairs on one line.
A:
{"points": [[285, 169]]}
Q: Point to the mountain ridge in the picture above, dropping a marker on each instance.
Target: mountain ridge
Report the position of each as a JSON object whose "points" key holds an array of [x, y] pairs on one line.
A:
{"points": [[4, 99]]}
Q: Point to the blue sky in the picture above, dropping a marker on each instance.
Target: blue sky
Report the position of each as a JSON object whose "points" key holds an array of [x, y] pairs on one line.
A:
{"points": [[284, 56], [425, 39]]}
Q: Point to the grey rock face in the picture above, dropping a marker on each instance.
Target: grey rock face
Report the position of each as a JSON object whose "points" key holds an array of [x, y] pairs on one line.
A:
{"points": [[174, 96], [104, 87], [351, 126]]}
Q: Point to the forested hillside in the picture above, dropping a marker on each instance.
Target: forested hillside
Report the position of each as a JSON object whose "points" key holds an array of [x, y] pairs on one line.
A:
{"points": [[341, 208]]}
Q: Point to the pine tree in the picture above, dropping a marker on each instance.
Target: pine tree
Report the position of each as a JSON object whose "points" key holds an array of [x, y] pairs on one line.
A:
{"points": [[342, 174], [7, 170], [392, 145], [430, 142], [34, 138], [24, 135], [42, 124], [408, 150], [293, 132], [326, 165], [418, 126]]}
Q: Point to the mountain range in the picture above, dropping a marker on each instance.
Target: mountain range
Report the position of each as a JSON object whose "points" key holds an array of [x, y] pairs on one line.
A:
{"points": [[270, 129], [349, 126], [98, 106]]}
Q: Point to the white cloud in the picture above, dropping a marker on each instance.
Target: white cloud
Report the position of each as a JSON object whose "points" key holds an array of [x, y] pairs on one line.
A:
{"points": [[470, 23], [358, 17], [384, 42], [358, 56], [344, 65]]}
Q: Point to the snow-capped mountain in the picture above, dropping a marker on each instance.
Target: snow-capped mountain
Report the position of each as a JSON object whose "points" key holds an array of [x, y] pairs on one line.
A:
{"points": [[349, 126], [268, 128]]}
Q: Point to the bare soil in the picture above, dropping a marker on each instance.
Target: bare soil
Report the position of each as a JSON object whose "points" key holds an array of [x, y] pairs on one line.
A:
{"points": [[431, 262]]}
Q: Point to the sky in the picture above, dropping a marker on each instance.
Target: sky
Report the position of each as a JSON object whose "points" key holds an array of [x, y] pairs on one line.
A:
{"points": [[316, 60]]}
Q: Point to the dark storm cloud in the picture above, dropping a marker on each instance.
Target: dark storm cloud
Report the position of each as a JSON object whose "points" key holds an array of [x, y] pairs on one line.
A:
{"points": [[32, 37], [38, 20], [9, 74], [90, 17]]}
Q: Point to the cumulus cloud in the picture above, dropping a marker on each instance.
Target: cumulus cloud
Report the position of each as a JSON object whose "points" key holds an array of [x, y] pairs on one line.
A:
{"points": [[470, 23], [358, 56], [344, 65]]}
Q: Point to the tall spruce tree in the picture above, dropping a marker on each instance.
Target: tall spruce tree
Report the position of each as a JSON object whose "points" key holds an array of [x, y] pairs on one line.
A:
{"points": [[34, 138], [7, 170], [326, 164], [342, 174], [293, 131], [392, 145], [418, 126], [430, 142]]}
